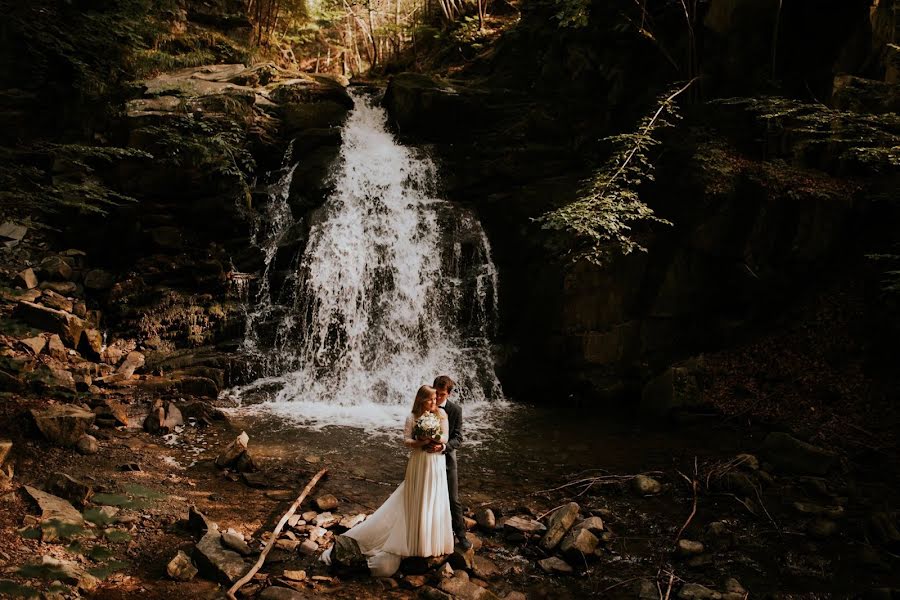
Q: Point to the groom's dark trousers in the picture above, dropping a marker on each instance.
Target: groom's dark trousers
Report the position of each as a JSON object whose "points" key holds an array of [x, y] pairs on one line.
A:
{"points": [[454, 418]]}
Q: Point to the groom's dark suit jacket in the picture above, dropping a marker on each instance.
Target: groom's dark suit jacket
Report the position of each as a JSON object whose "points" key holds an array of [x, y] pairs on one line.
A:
{"points": [[454, 420]]}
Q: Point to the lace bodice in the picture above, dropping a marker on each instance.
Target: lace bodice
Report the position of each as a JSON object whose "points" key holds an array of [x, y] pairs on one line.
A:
{"points": [[411, 422]]}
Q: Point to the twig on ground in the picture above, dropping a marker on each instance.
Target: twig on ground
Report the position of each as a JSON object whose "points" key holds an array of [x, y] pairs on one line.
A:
{"points": [[271, 543], [599, 480], [694, 485]]}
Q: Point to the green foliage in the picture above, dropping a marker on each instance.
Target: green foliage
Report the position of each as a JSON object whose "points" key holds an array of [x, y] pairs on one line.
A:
{"points": [[573, 13], [608, 205]]}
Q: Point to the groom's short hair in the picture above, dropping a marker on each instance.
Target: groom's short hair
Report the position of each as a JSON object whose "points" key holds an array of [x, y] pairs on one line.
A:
{"points": [[442, 382]]}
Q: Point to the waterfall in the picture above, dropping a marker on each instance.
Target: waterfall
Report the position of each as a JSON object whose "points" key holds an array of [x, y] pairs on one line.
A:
{"points": [[394, 287]]}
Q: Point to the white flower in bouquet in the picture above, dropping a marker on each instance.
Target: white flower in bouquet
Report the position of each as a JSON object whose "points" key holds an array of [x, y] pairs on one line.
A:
{"points": [[427, 427]]}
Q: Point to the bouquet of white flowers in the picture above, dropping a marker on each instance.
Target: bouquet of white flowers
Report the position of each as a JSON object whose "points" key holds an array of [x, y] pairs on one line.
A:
{"points": [[427, 427]]}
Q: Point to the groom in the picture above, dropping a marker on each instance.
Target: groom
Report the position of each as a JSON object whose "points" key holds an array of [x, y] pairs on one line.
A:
{"points": [[443, 387]]}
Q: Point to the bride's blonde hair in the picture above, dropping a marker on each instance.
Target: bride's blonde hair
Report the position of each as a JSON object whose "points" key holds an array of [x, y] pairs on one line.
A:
{"points": [[425, 392]]}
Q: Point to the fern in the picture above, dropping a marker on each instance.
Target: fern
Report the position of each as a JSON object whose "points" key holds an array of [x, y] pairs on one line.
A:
{"points": [[601, 219]]}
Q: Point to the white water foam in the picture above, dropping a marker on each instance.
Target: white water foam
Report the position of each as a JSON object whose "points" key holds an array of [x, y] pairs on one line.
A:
{"points": [[395, 287]]}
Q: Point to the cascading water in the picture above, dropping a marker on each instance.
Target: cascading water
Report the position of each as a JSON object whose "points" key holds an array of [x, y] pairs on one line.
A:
{"points": [[394, 287]]}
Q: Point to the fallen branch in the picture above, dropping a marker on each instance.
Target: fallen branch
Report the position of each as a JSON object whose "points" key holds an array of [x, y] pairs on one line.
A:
{"points": [[599, 480], [271, 543], [694, 485]]}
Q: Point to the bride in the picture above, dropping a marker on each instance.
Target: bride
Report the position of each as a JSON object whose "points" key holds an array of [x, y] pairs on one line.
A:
{"points": [[415, 520]]}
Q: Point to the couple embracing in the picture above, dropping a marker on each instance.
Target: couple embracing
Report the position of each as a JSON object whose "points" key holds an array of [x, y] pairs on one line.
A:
{"points": [[424, 513]]}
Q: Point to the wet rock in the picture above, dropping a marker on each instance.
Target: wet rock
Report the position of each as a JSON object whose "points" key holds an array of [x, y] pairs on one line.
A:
{"points": [[163, 418], [444, 571], [720, 536], [56, 348], [87, 444], [233, 540], [56, 268], [645, 589], [67, 487], [559, 523], [59, 519], [98, 280], [326, 502], [414, 581], [217, 562], [67, 326], [309, 547], [808, 508], [578, 545], [687, 548], [645, 486], [462, 559], [733, 586], [515, 596], [524, 524], [592, 524], [555, 566], [27, 279], [91, 344], [63, 424], [230, 455], [181, 568], [821, 528], [794, 456], [485, 519], [695, 591], [484, 568], [133, 361], [346, 554], [34, 345], [276, 592]]}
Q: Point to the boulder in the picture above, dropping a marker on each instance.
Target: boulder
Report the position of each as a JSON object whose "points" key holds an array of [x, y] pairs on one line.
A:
{"points": [[63, 424], [181, 568], [56, 268], [91, 344], [676, 387], [524, 524], [163, 418], [133, 361], [559, 523], [695, 591], [57, 301], [98, 280], [578, 545], [111, 411], [555, 566], [34, 345], [326, 502], [485, 519], [67, 572], [56, 348], [794, 456], [688, 548], [87, 444], [64, 324], [27, 279], [346, 554], [217, 562], [59, 519], [67, 487], [645, 486]]}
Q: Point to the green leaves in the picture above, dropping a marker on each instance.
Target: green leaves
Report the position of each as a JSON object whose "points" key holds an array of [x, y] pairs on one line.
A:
{"points": [[601, 219]]}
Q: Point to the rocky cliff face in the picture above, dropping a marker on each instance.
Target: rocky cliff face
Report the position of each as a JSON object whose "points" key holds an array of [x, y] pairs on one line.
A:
{"points": [[770, 197]]}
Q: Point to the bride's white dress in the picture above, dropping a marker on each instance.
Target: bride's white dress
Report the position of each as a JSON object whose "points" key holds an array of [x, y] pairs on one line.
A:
{"points": [[415, 520]]}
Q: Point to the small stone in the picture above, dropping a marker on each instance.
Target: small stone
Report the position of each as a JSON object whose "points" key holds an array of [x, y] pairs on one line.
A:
{"points": [[216, 561], [688, 548], [57, 349], [592, 524], [229, 456], [732, 585], [98, 280], [57, 301], [91, 344], [289, 545], [444, 571], [295, 521], [75, 491], [231, 539], [63, 424], [309, 547], [485, 519], [578, 545], [35, 345], [474, 540], [470, 523], [327, 502], [554, 565], [646, 486], [484, 568], [27, 279], [351, 521], [55, 268], [462, 559], [524, 524], [695, 591], [294, 575], [277, 592], [414, 581], [87, 444], [181, 568], [309, 515], [325, 519]]}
